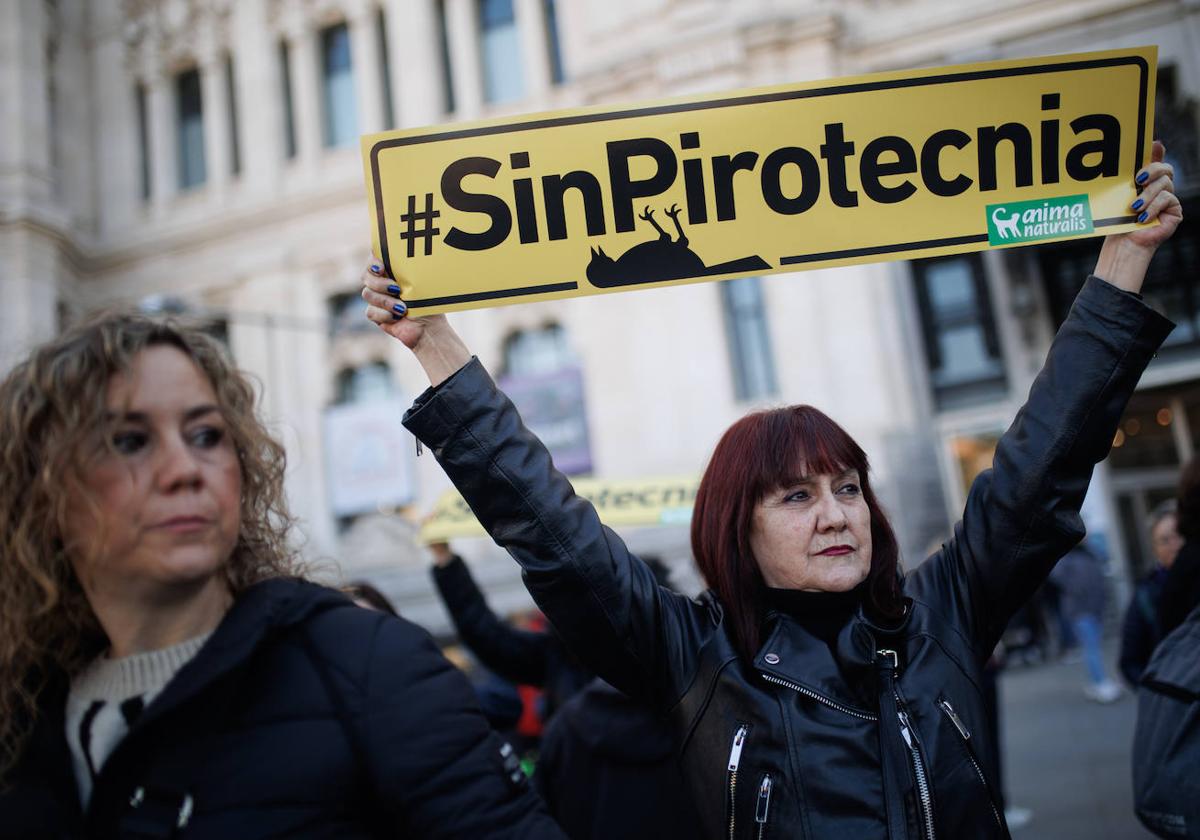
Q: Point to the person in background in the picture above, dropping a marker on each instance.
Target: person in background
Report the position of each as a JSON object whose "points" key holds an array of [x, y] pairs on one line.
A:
{"points": [[1140, 634], [1181, 587], [525, 657], [607, 766], [164, 668], [1081, 579], [366, 595]]}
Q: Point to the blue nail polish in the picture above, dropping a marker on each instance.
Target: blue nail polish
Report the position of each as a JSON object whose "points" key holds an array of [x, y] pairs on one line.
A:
{"points": [[1143, 177], [395, 290], [376, 268], [1137, 205], [399, 308], [396, 317], [1143, 217]]}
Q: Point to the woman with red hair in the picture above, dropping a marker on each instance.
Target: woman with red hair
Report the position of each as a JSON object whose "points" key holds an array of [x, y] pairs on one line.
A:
{"points": [[815, 691]]}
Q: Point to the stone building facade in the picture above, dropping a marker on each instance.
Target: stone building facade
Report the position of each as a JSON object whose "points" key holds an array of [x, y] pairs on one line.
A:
{"points": [[200, 156]]}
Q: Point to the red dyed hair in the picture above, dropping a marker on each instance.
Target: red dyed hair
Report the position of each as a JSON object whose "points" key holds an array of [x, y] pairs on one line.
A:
{"points": [[760, 452]]}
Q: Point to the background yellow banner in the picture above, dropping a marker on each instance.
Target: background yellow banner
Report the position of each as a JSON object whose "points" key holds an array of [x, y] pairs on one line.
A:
{"points": [[886, 166], [646, 501]]}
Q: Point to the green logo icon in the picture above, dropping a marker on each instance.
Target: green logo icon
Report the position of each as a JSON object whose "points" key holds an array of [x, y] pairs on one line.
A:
{"points": [[1047, 218]]}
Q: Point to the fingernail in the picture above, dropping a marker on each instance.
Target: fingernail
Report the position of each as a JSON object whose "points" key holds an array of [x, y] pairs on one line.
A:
{"points": [[396, 317], [1143, 217], [399, 308], [1143, 177], [395, 290], [376, 268], [1137, 205]]}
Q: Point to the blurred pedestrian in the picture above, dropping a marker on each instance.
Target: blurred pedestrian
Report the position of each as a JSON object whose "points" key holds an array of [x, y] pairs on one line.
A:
{"points": [[1166, 741], [607, 766], [815, 690], [1140, 633], [164, 670], [1081, 580], [1181, 587], [525, 657]]}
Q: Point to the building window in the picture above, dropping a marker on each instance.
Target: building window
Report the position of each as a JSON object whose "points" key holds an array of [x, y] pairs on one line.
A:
{"points": [[235, 148], [447, 69], [143, 129], [365, 383], [337, 87], [191, 129], [502, 78], [1169, 286], [962, 348], [348, 314], [385, 68], [289, 109], [557, 73], [538, 351], [749, 340]]}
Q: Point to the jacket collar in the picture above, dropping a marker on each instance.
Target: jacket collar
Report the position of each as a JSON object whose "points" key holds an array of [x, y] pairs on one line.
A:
{"points": [[841, 673], [260, 612]]}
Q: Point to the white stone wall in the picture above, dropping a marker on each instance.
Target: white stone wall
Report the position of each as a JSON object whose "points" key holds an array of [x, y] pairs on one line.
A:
{"points": [[268, 245]]}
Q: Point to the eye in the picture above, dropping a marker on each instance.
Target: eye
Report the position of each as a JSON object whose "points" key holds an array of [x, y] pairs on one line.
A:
{"points": [[849, 489], [798, 496], [208, 437], [128, 442]]}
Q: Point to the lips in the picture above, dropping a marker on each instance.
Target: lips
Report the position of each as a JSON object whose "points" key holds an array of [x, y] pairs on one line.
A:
{"points": [[835, 551], [182, 524]]}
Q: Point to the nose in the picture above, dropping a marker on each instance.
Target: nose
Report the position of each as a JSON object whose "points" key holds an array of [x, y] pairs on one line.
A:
{"points": [[177, 467], [830, 516]]}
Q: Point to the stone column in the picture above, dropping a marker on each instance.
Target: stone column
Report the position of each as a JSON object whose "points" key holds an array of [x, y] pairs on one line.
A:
{"points": [[259, 94], [306, 94], [160, 107], [367, 64], [214, 101], [418, 82], [462, 31], [535, 47]]}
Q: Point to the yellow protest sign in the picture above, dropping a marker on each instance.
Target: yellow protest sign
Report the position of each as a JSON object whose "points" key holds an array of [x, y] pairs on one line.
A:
{"points": [[645, 501], [888, 166]]}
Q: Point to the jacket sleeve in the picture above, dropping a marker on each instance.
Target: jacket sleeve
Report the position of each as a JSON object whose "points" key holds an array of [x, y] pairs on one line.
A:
{"points": [[604, 602], [437, 768], [1022, 515], [517, 655]]}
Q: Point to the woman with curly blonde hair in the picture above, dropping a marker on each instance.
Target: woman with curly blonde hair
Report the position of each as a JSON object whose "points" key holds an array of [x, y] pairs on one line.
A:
{"points": [[162, 664]]}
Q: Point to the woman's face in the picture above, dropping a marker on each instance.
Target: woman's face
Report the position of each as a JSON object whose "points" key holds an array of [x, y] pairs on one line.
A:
{"points": [[166, 494], [1165, 540], [814, 535]]}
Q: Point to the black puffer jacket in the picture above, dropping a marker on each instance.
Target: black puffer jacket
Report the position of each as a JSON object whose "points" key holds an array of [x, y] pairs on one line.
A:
{"points": [[805, 741], [249, 736]]}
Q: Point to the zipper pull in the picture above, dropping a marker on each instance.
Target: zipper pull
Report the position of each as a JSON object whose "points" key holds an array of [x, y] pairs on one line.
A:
{"points": [[904, 729], [735, 752], [764, 800], [954, 718], [420, 449]]}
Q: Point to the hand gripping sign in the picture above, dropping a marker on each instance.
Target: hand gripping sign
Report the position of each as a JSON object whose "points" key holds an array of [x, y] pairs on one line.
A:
{"points": [[917, 163]]}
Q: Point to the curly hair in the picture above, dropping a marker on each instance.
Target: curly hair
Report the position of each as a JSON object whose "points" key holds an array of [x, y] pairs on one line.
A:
{"points": [[51, 405]]}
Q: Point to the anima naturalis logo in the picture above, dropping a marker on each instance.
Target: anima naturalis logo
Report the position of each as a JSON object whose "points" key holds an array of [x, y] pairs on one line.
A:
{"points": [[1026, 221]]}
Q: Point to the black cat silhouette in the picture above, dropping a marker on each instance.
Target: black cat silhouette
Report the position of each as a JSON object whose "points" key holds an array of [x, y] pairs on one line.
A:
{"points": [[660, 259]]}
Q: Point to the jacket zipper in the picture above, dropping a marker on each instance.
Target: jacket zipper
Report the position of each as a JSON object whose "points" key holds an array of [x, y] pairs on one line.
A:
{"points": [[824, 700], [764, 805], [906, 731], [945, 706], [735, 758]]}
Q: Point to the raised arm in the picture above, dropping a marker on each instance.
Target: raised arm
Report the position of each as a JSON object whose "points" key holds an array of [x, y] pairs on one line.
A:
{"points": [[1022, 515], [604, 602], [516, 655]]}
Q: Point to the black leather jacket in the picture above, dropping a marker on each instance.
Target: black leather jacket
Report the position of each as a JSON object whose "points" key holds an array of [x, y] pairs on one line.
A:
{"points": [[882, 736]]}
